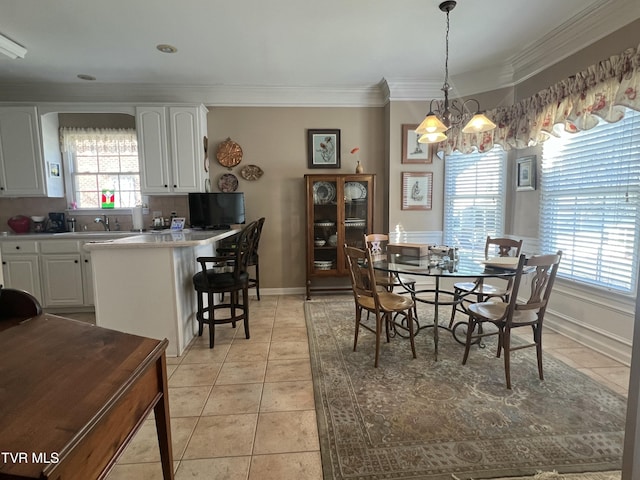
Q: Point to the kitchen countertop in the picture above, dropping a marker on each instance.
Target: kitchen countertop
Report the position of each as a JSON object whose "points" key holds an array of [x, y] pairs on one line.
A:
{"points": [[70, 235], [163, 239]]}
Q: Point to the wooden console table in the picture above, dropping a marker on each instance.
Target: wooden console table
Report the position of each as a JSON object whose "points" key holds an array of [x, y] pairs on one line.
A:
{"points": [[72, 395]]}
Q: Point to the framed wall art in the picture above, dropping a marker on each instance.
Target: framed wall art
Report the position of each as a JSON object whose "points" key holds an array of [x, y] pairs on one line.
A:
{"points": [[54, 169], [412, 150], [526, 173], [323, 148], [417, 189]]}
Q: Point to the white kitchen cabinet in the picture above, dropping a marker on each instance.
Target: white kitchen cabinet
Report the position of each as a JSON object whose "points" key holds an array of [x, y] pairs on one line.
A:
{"points": [[62, 280], [171, 149], [28, 148], [20, 266], [61, 268], [87, 279], [21, 163]]}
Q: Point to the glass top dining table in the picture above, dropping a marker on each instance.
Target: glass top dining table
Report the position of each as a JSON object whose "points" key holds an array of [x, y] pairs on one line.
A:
{"points": [[436, 295]]}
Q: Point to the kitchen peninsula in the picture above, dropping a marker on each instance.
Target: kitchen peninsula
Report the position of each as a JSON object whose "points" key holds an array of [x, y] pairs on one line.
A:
{"points": [[142, 284]]}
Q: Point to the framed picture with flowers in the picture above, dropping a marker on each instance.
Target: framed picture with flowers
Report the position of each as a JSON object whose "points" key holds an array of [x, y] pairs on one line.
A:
{"points": [[324, 148]]}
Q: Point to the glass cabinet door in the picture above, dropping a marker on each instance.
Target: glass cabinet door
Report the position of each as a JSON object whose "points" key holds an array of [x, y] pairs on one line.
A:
{"points": [[325, 225], [356, 212]]}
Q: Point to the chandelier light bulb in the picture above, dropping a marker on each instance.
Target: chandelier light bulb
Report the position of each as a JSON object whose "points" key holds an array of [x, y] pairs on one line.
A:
{"points": [[432, 137], [478, 123]]}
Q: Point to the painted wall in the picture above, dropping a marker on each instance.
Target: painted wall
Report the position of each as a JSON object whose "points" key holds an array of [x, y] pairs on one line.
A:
{"points": [[275, 139]]}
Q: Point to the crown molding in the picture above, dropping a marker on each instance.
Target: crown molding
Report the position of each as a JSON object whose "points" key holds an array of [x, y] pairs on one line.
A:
{"points": [[217, 95], [582, 30], [587, 27]]}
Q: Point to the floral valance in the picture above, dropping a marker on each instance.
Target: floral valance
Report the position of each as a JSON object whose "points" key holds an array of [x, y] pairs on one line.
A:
{"points": [[602, 90], [104, 140]]}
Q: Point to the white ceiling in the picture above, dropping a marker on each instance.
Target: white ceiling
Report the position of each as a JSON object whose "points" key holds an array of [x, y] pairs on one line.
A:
{"points": [[289, 51]]}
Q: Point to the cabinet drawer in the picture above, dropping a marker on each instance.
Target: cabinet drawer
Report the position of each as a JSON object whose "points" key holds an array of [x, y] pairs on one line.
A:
{"points": [[60, 246], [19, 246]]}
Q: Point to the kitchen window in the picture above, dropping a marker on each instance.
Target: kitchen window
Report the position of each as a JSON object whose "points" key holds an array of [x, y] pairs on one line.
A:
{"points": [[103, 170], [590, 203], [474, 191]]}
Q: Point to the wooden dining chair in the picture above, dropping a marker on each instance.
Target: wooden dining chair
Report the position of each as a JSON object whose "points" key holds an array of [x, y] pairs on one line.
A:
{"points": [[377, 243], [17, 305], [513, 314], [385, 305], [482, 291]]}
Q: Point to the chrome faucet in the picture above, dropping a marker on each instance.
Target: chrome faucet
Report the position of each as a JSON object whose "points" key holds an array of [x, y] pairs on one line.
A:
{"points": [[105, 222]]}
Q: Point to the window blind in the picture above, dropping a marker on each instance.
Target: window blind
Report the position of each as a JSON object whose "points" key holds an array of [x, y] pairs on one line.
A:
{"points": [[474, 199], [590, 186]]}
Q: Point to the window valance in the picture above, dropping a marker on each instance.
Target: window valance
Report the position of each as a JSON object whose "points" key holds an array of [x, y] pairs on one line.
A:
{"points": [[602, 90], [104, 140]]}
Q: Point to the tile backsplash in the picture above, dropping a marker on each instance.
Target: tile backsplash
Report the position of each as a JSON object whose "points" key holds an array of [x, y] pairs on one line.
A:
{"points": [[29, 206]]}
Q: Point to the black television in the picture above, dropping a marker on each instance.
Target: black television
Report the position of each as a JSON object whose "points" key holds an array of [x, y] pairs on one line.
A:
{"points": [[216, 211]]}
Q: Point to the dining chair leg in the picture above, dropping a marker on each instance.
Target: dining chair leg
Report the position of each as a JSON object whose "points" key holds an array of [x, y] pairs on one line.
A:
{"points": [[500, 341], [537, 337], [258, 279], [387, 321], [410, 322], [358, 318], [506, 343], [234, 301], [378, 333], [245, 300], [456, 299], [211, 320], [200, 314], [467, 346]]}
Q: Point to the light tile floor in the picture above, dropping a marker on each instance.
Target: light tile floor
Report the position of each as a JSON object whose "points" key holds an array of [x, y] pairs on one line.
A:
{"points": [[245, 409]]}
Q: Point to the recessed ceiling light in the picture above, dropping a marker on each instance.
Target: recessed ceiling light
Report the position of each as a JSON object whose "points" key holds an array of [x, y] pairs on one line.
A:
{"points": [[83, 76], [166, 48]]}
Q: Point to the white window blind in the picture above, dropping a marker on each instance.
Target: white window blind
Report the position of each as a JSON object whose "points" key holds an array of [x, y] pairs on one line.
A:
{"points": [[474, 199], [589, 203]]}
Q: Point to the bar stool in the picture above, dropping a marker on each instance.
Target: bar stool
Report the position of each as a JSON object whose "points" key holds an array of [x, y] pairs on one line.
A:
{"points": [[217, 280]]}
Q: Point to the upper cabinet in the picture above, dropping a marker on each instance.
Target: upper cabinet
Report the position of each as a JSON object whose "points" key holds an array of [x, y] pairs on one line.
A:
{"points": [[23, 146], [171, 148]]}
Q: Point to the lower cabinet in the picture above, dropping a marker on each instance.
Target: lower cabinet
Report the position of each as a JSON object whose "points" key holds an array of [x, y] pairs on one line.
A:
{"points": [[62, 280], [22, 272], [57, 272], [21, 266], [87, 279]]}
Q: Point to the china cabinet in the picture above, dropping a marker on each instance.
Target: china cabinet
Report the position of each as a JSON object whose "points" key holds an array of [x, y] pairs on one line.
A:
{"points": [[339, 210]]}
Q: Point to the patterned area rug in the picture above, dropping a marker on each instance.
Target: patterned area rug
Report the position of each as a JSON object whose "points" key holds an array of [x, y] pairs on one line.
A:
{"points": [[420, 419]]}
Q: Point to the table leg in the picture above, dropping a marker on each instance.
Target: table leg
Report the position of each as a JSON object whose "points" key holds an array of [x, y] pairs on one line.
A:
{"points": [[163, 425], [435, 318]]}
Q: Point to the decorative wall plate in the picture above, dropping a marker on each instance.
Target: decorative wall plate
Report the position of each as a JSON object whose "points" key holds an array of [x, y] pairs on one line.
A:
{"points": [[251, 172], [228, 182], [229, 154]]}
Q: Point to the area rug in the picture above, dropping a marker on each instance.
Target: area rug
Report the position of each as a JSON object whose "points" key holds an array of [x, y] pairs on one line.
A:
{"points": [[422, 419]]}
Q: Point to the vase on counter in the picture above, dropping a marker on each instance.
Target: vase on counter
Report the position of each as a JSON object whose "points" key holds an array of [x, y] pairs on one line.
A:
{"points": [[359, 168]]}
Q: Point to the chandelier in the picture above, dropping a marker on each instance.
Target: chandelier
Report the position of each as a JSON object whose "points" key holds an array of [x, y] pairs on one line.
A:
{"points": [[433, 127]]}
